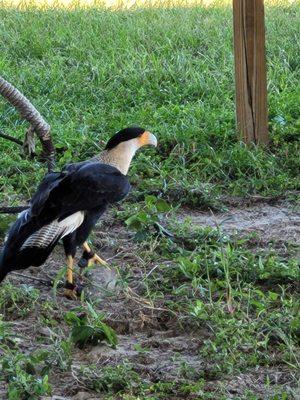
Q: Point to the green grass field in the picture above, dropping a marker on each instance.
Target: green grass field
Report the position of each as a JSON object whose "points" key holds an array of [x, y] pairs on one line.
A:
{"points": [[91, 72]]}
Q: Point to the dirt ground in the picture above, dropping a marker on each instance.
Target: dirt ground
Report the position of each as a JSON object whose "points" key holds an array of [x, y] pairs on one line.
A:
{"points": [[277, 223], [137, 322]]}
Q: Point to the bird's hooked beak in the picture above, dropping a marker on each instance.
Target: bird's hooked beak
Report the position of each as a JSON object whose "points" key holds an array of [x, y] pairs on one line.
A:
{"points": [[147, 138]]}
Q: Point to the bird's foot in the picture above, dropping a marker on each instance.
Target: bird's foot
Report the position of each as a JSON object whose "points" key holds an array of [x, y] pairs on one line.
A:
{"points": [[90, 258], [70, 294], [73, 291], [95, 259]]}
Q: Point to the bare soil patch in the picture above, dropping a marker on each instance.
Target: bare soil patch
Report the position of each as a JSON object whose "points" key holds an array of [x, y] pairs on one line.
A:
{"points": [[167, 345], [277, 223]]}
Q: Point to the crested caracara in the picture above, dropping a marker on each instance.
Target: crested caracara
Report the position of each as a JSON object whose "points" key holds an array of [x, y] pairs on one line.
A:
{"points": [[68, 204]]}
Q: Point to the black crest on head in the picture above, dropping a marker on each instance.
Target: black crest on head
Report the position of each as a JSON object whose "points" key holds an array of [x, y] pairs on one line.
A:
{"points": [[123, 135]]}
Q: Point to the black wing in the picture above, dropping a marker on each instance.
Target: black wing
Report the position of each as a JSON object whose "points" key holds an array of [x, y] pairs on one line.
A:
{"points": [[88, 187], [83, 187]]}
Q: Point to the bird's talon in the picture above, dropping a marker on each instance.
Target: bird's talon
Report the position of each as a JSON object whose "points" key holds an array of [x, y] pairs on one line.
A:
{"points": [[71, 294], [79, 288], [73, 290], [97, 260]]}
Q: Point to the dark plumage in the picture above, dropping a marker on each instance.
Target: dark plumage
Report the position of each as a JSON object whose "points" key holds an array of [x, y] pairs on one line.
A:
{"points": [[86, 188], [68, 204]]}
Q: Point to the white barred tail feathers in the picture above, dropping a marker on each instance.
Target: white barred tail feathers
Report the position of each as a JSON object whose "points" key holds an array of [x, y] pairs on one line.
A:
{"points": [[50, 233]]}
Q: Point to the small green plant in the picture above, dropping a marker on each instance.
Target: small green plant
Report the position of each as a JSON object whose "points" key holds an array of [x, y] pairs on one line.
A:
{"points": [[117, 379], [146, 217], [50, 314], [24, 376], [88, 327], [141, 349], [5, 332], [58, 355], [17, 301]]}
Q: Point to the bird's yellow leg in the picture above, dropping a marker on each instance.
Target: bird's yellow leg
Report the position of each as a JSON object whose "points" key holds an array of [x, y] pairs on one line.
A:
{"points": [[70, 262], [70, 291], [95, 259]]}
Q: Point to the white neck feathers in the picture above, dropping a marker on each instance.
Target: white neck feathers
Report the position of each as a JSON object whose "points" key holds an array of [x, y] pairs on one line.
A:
{"points": [[120, 157]]}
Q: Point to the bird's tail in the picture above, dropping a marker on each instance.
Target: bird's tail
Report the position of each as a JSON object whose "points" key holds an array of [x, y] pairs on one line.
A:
{"points": [[3, 270]]}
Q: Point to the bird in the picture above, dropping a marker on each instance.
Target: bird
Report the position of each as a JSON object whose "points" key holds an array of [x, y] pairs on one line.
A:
{"points": [[67, 205]]}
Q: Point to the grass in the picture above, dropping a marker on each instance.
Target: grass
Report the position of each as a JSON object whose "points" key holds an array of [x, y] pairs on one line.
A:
{"points": [[243, 305], [91, 72]]}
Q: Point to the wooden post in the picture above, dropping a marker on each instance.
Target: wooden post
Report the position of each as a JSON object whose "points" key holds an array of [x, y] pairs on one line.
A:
{"points": [[250, 70]]}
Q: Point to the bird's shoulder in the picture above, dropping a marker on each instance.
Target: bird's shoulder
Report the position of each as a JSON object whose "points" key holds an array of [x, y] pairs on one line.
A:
{"points": [[102, 179], [78, 184]]}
